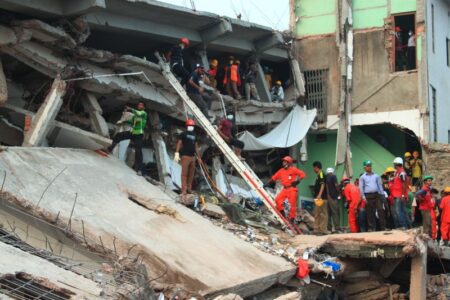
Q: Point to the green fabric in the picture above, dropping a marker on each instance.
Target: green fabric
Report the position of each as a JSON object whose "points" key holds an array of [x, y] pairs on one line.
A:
{"points": [[138, 121]]}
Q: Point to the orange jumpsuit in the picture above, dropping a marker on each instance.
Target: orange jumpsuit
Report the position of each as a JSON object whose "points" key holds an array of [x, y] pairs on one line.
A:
{"points": [[286, 178], [353, 196], [433, 223], [445, 218]]}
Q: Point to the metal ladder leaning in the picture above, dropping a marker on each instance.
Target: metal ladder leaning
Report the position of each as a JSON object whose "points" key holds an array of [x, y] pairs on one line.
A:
{"points": [[246, 173]]}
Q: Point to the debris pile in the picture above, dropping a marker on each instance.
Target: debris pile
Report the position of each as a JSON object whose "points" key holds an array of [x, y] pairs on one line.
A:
{"points": [[438, 287]]}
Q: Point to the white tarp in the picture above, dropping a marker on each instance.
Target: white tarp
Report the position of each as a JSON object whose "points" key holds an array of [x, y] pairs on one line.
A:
{"points": [[288, 133]]}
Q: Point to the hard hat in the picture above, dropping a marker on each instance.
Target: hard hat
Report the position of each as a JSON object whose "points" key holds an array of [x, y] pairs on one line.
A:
{"points": [[447, 189], [190, 122], [345, 179], [407, 154], [278, 82], [318, 202], [288, 159], [367, 163], [426, 177], [199, 66], [397, 29], [389, 170], [398, 161], [214, 62], [330, 170], [185, 42]]}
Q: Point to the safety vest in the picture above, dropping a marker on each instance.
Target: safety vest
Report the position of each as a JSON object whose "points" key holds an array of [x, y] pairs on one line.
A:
{"points": [[397, 184]]}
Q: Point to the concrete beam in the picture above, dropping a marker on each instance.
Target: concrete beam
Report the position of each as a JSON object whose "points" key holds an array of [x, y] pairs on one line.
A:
{"points": [[419, 274], [81, 6], [261, 85], [269, 42], [216, 31], [159, 146], [41, 8], [203, 59], [7, 36], [48, 34], [92, 107], [46, 113], [3, 85], [298, 76]]}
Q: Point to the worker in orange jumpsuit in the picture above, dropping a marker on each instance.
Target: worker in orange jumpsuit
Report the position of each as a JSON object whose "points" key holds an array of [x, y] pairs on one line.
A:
{"points": [[445, 216], [434, 225], [289, 177], [352, 194], [232, 78]]}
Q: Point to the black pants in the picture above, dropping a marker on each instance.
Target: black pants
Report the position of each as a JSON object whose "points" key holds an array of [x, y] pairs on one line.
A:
{"points": [[201, 103], [375, 204], [138, 141], [236, 143], [411, 58], [181, 72]]}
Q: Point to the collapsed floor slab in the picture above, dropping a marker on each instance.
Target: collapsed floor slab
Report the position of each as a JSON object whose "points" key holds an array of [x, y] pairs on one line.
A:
{"points": [[177, 245]]}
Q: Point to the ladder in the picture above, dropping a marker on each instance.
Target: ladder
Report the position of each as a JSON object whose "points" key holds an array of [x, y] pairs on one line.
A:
{"points": [[246, 173]]}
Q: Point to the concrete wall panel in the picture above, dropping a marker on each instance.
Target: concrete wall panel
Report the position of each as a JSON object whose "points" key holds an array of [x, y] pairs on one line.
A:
{"points": [[401, 6], [315, 17], [368, 18]]}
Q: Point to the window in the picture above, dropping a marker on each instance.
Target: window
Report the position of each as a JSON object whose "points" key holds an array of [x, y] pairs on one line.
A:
{"points": [[434, 111], [316, 92], [432, 27], [448, 52], [448, 132], [405, 42]]}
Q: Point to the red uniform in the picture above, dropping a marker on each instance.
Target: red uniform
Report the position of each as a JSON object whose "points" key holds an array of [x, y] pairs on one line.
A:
{"points": [[286, 178], [433, 223], [425, 198], [445, 218], [353, 196], [397, 188]]}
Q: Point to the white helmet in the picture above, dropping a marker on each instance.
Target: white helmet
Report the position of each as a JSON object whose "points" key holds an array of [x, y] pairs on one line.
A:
{"points": [[398, 161], [330, 170]]}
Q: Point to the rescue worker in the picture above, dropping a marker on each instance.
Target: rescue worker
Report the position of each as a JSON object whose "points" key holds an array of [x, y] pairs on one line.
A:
{"points": [[321, 205], [175, 57], [232, 78], [185, 151], [399, 193], [212, 72], [268, 76], [445, 216], [423, 197], [289, 177], [416, 168], [225, 130], [353, 197], [407, 165], [250, 82], [387, 186], [195, 91], [136, 134], [277, 92], [372, 192], [362, 215], [433, 214], [411, 50], [400, 62], [333, 196]]}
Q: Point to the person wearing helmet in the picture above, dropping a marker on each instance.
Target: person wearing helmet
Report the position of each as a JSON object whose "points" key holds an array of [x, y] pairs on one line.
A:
{"points": [[225, 130], [333, 197], [289, 177], [175, 57], [250, 81], [400, 61], [372, 192], [138, 122], [416, 168], [277, 92], [424, 199], [445, 216], [232, 78], [196, 92], [212, 72], [399, 193], [387, 180], [353, 197], [407, 165], [185, 151], [321, 202]]}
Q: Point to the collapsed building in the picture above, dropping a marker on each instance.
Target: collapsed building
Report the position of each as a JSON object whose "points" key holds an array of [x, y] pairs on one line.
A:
{"points": [[67, 70]]}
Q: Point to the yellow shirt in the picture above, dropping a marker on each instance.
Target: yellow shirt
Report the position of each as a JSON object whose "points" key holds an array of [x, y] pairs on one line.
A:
{"points": [[416, 167]]}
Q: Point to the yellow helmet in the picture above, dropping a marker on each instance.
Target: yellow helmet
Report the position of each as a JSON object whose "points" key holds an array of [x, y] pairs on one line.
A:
{"points": [[214, 62], [447, 189], [407, 154], [389, 170], [278, 82], [318, 202]]}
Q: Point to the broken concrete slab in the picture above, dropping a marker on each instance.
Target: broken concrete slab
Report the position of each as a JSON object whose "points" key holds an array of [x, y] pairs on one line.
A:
{"points": [[213, 210], [92, 107], [3, 85], [14, 260], [185, 248]]}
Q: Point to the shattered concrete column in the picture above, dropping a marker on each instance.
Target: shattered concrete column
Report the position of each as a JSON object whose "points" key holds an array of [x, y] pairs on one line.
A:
{"points": [[159, 146], [261, 85], [45, 115], [203, 59], [418, 286], [92, 107], [299, 83], [3, 87]]}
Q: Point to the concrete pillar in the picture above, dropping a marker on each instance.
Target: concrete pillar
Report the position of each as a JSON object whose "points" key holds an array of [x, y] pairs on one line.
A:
{"points": [[3, 87], [159, 146], [299, 83], [418, 285], [92, 107], [203, 59], [261, 85], [45, 115]]}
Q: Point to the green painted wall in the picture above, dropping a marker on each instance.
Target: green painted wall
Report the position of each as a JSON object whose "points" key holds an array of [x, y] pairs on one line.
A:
{"points": [[315, 17], [401, 6], [363, 147]]}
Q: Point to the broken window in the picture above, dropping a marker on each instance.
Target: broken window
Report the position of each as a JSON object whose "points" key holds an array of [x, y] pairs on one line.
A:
{"points": [[405, 42], [316, 92]]}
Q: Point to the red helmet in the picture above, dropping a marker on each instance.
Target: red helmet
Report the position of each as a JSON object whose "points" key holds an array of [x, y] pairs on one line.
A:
{"points": [[185, 42], [288, 159], [345, 179], [397, 29], [190, 122]]}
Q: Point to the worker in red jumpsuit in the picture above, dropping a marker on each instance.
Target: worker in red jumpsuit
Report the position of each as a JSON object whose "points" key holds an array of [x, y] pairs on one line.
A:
{"points": [[289, 177], [445, 216], [434, 225], [424, 200], [352, 194]]}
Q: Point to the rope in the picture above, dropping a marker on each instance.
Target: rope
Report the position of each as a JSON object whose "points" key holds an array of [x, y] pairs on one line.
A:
{"points": [[202, 165]]}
